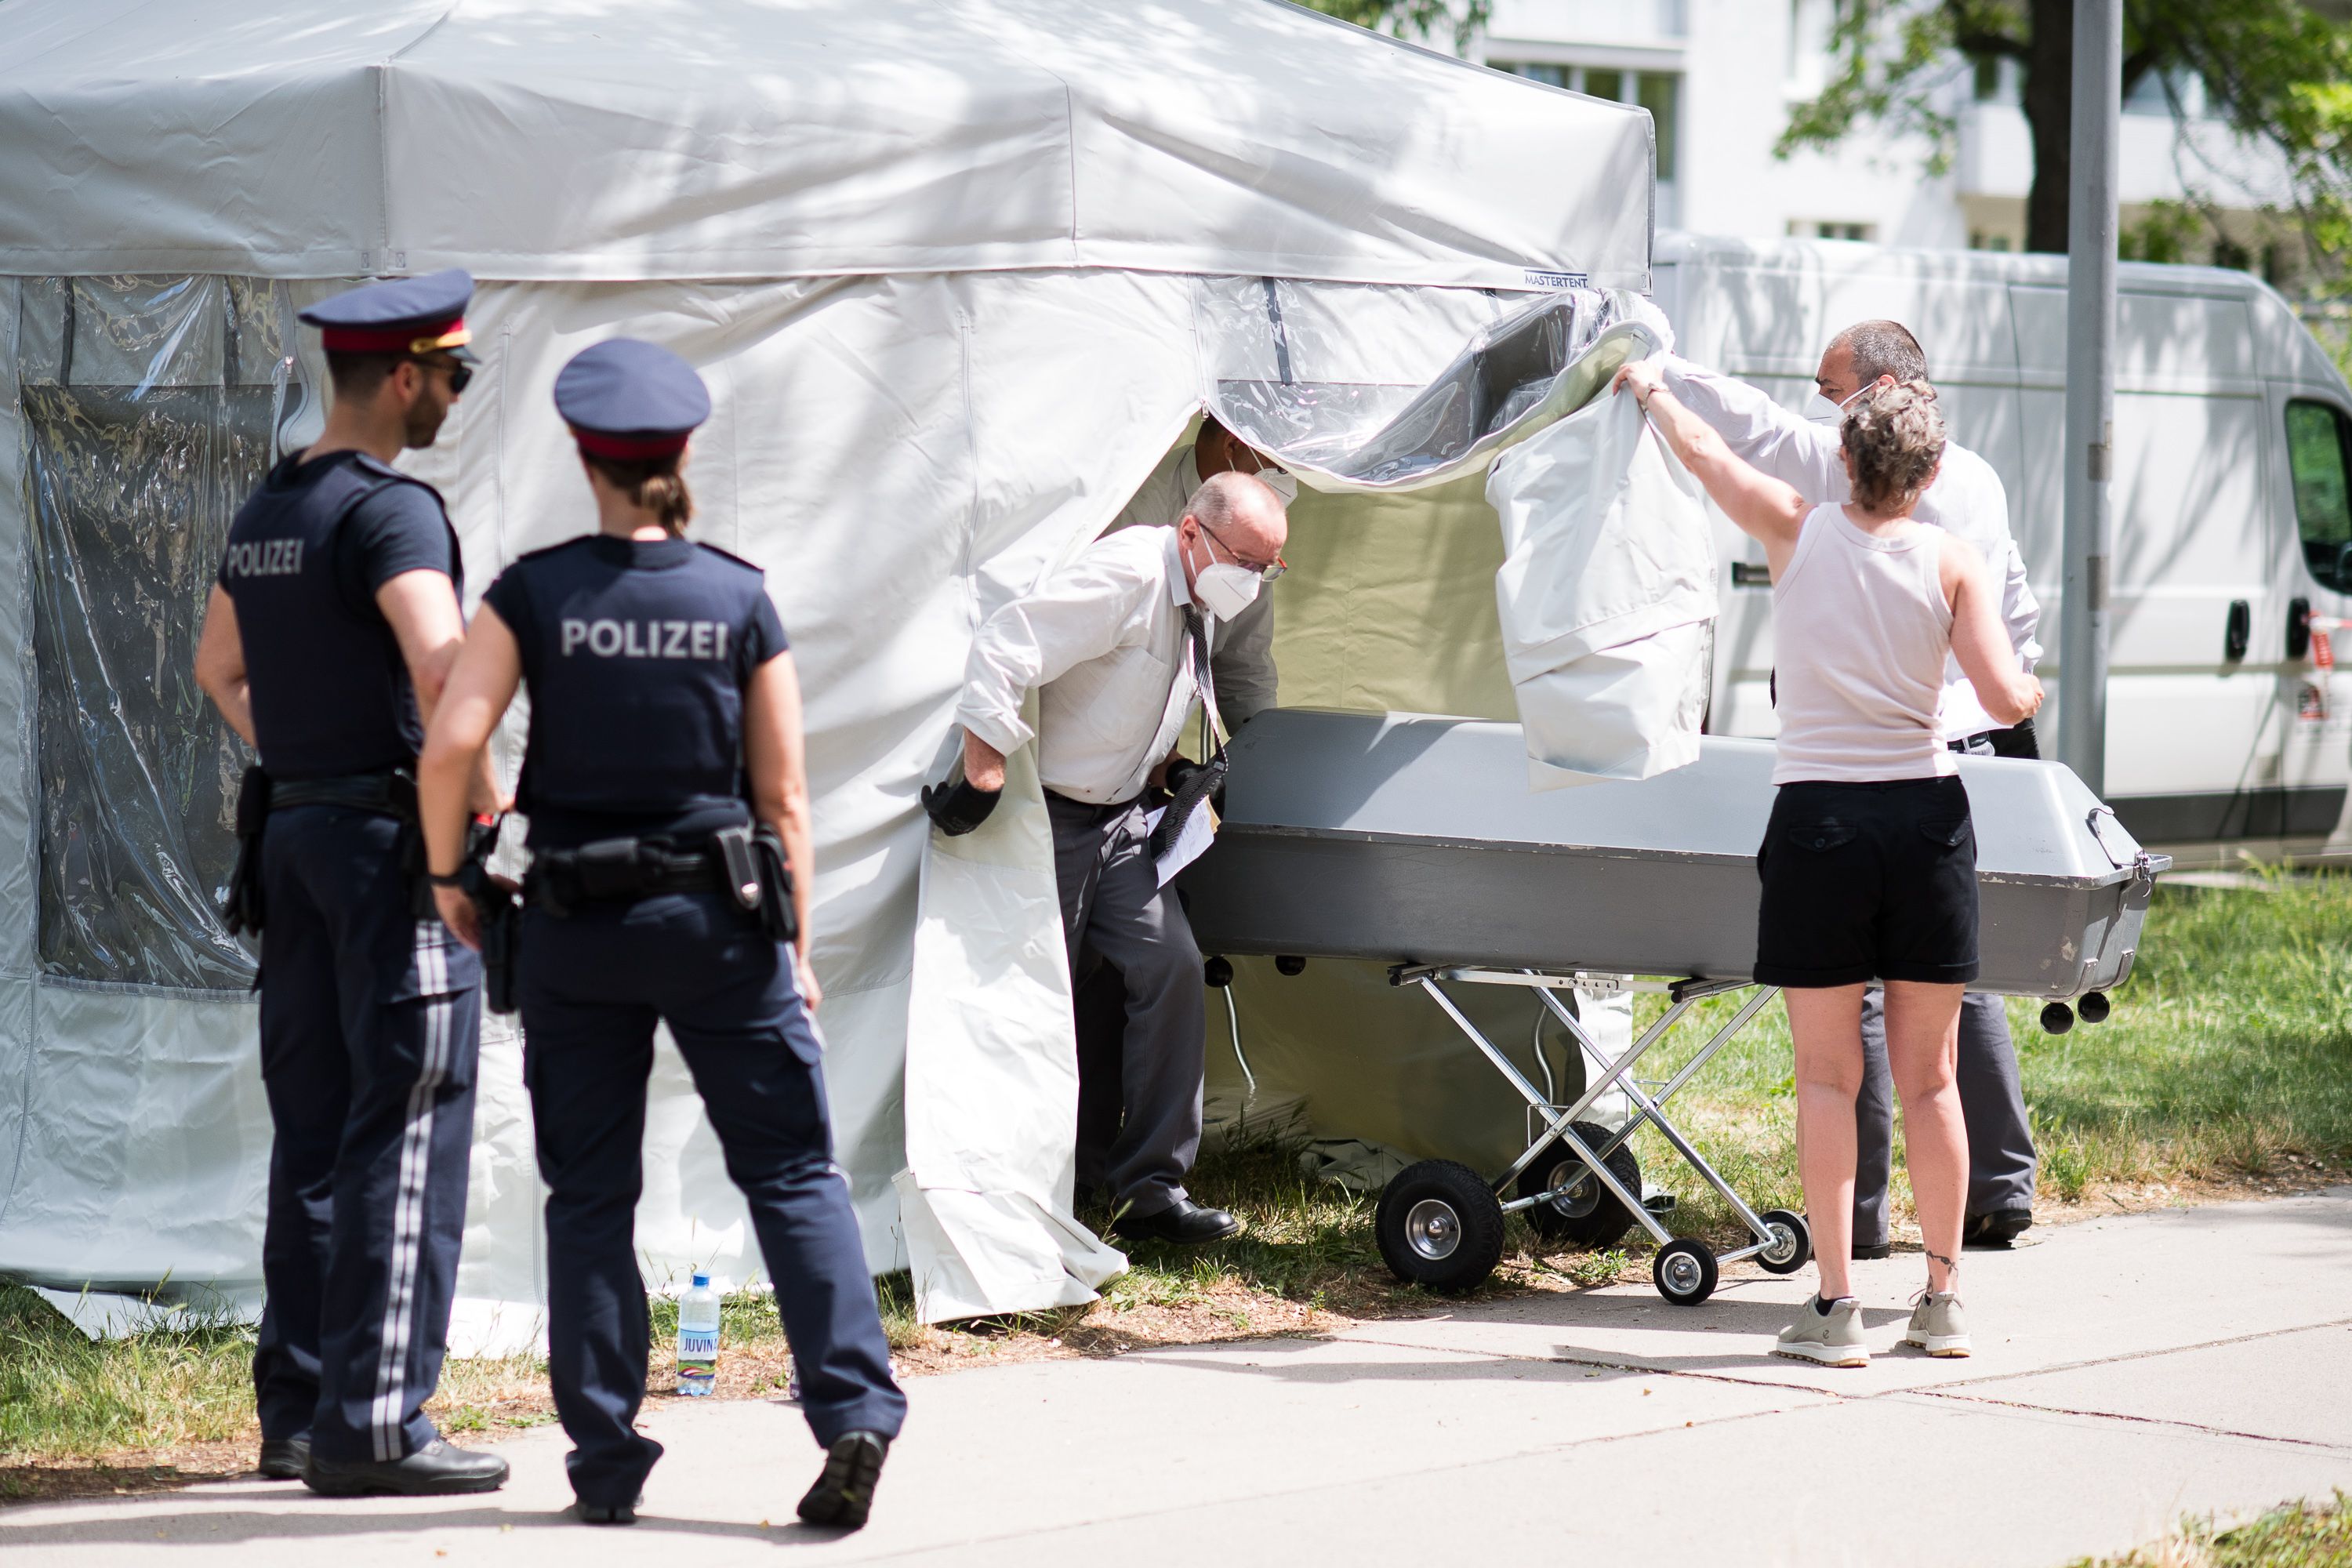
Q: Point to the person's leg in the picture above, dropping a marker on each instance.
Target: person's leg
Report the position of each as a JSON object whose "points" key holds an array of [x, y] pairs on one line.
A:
{"points": [[1826, 1023], [2001, 1135], [1101, 1006], [408, 995], [1922, 1035], [733, 1003], [306, 1076], [585, 1061], [1140, 929], [1873, 1128]]}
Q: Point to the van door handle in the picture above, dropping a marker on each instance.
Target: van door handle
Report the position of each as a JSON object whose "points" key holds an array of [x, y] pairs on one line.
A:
{"points": [[2298, 627], [2238, 634]]}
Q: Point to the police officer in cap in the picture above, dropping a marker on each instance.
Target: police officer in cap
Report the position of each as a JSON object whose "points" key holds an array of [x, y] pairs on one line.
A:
{"points": [[325, 644], [666, 790]]}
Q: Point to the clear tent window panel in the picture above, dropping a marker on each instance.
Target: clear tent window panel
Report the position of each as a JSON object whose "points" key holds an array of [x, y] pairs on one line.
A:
{"points": [[149, 406]]}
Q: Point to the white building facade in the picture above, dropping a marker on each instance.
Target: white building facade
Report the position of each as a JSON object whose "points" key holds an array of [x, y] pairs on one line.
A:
{"points": [[1720, 78]]}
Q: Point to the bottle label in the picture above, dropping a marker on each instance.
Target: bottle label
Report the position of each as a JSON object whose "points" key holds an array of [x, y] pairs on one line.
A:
{"points": [[698, 1360]]}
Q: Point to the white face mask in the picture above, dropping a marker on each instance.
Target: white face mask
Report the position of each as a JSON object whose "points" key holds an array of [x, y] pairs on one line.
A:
{"points": [[1225, 591], [1820, 410]]}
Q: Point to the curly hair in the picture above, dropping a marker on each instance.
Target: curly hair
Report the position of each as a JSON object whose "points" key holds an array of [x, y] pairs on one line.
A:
{"points": [[1893, 436]]}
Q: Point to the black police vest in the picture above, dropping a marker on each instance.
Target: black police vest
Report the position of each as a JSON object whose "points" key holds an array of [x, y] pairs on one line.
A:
{"points": [[637, 652], [330, 688]]}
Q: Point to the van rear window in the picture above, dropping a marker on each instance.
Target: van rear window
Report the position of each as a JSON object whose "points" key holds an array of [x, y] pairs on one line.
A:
{"points": [[2316, 444]]}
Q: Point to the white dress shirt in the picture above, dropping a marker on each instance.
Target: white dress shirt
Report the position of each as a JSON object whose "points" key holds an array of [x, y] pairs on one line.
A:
{"points": [[1241, 659], [1102, 641], [1966, 500]]}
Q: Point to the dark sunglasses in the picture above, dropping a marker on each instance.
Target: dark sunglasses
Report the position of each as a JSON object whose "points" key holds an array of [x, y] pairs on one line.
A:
{"points": [[460, 372]]}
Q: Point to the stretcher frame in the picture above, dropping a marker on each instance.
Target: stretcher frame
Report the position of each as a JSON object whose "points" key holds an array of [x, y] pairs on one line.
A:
{"points": [[1685, 1271]]}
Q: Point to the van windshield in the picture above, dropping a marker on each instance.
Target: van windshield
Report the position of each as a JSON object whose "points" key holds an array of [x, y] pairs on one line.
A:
{"points": [[2316, 441]]}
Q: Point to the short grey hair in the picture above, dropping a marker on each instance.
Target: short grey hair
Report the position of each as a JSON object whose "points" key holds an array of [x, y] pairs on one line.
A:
{"points": [[1883, 348], [1222, 498], [1894, 435]]}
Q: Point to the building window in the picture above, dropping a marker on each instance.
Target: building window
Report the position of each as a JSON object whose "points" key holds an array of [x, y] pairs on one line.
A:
{"points": [[2315, 436], [1656, 92], [1819, 228], [1979, 239], [1660, 92], [1536, 70]]}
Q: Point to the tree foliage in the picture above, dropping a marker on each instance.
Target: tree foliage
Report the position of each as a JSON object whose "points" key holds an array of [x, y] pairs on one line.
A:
{"points": [[1460, 20], [2279, 72]]}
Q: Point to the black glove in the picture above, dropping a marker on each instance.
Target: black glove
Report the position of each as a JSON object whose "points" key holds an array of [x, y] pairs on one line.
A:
{"points": [[957, 807]]}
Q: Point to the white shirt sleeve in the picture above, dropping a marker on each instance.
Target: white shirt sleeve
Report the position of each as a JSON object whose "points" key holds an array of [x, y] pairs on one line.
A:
{"points": [[1082, 612], [1776, 440], [1985, 501]]}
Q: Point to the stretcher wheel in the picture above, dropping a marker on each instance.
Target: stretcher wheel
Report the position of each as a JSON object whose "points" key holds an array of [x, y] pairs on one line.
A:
{"points": [[1439, 1226], [1791, 1245], [1587, 1215], [1684, 1271], [2057, 1018], [2093, 1006]]}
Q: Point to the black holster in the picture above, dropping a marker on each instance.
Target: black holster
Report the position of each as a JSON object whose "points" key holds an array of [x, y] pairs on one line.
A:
{"points": [[243, 910], [778, 910], [501, 916]]}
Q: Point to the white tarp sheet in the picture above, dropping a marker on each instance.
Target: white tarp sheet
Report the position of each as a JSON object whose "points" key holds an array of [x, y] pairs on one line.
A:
{"points": [[601, 138]]}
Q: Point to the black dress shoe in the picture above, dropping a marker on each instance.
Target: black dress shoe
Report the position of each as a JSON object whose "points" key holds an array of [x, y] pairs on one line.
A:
{"points": [[436, 1470], [843, 1493], [1872, 1252], [1995, 1229], [284, 1458], [1183, 1222]]}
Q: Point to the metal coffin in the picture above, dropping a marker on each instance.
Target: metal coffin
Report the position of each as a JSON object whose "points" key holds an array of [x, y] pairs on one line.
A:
{"points": [[1410, 838]]}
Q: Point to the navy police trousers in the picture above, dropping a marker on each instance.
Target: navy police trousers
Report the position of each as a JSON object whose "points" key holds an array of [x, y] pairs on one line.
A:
{"points": [[593, 986], [369, 1023]]}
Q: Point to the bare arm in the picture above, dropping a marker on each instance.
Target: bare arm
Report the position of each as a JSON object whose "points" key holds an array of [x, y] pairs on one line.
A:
{"points": [[1979, 641], [1761, 506], [775, 755], [220, 665], [422, 608], [479, 685]]}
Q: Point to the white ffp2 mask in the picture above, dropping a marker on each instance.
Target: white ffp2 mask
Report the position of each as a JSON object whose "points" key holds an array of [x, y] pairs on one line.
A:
{"points": [[1225, 591]]}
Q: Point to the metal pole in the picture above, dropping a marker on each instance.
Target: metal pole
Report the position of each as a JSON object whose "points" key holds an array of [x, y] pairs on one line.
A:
{"points": [[2090, 390]]}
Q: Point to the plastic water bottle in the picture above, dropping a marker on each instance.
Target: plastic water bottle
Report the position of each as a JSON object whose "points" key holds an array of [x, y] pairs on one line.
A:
{"points": [[697, 1339]]}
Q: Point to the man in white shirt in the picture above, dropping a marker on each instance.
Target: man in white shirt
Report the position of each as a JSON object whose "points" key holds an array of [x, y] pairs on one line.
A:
{"points": [[1969, 499], [1242, 665], [1118, 645]]}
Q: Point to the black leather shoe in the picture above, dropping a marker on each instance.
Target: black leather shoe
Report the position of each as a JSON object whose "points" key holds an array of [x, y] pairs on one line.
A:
{"points": [[1872, 1252], [606, 1512], [843, 1493], [284, 1458], [1183, 1222], [1997, 1229], [436, 1470]]}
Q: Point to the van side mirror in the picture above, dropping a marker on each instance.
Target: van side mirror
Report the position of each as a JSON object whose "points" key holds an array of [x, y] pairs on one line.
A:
{"points": [[2237, 632], [2298, 627]]}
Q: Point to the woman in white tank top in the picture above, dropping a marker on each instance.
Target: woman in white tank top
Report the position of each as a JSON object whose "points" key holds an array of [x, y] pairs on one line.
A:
{"points": [[1868, 865]]}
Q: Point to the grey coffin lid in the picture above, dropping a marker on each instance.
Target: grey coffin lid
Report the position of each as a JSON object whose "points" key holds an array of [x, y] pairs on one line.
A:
{"points": [[1406, 838]]}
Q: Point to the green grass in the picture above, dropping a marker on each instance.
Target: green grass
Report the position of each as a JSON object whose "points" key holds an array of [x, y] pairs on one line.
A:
{"points": [[2300, 1536], [2229, 1057]]}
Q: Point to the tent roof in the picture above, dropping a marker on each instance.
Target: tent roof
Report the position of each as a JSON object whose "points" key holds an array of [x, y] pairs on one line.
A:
{"points": [[631, 139]]}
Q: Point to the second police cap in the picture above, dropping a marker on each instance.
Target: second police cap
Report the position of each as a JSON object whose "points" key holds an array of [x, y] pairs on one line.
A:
{"points": [[626, 398], [406, 316]]}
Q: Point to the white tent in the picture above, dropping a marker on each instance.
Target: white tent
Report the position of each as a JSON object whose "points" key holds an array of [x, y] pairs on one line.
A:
{"points": [[957, 273]]}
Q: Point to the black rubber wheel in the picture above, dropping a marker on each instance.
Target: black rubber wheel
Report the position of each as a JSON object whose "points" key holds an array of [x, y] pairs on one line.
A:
{"points": [[2057, 1018], [2093, 1006], [1792, 1242], [1439, 1226], [1684, 1271], [1289, 963], [1587, 1215], [1217, 971]]}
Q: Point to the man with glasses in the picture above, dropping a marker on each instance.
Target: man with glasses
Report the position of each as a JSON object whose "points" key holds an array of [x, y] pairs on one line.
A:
{"points": [[328, 637], [1117, 646]]}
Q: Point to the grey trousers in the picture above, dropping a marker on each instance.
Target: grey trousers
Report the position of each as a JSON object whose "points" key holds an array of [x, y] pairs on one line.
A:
{"points": [[1139, 1135], [2000, 1140]]}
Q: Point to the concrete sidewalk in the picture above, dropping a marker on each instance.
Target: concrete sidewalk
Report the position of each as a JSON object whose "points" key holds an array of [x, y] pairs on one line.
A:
{"points": [[2126, 1371]]}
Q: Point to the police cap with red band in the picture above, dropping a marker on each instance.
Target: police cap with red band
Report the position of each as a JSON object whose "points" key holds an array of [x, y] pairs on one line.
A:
{"points": [[406, 316], [630, 399]]}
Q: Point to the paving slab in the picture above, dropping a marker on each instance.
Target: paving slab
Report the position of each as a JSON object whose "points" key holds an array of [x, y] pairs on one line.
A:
{"points": [[2126, 1285]]}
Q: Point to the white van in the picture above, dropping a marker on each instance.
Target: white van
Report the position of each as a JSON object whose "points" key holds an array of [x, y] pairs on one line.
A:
{"points": [[2232, 511]]}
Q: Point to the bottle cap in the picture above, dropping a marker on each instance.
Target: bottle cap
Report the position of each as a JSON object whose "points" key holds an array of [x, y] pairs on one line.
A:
{"points": [[702, 1281]]}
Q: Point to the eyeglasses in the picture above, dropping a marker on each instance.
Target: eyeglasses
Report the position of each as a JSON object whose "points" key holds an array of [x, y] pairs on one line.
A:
{"points": [[1267, 571]]}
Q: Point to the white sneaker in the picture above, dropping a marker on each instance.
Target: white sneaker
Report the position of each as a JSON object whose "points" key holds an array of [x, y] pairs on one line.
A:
{"points": [[1938, 1325], [1831, 1338]]}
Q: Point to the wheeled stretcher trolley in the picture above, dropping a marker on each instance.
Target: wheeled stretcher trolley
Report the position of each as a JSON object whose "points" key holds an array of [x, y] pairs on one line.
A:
{"points": [[1417, 841]]}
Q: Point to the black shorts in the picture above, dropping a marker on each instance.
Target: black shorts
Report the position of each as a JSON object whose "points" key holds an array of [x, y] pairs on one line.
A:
{"points": [[1868, 882]]}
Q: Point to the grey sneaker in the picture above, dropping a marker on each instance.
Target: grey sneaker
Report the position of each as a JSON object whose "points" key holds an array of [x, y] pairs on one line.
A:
{"points": [[1938, 1324], [1833, 1339]]}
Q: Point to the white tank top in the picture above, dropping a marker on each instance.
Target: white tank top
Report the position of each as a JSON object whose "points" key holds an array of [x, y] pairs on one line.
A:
{"points": [[1860, 630]]}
